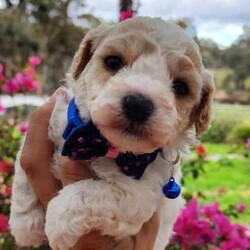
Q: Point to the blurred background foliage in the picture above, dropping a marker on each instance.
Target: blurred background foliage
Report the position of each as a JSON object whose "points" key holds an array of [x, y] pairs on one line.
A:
{"points": [[45, 27]]}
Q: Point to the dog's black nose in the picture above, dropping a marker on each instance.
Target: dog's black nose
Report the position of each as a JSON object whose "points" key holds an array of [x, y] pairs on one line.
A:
{"points": [[137, 108]]}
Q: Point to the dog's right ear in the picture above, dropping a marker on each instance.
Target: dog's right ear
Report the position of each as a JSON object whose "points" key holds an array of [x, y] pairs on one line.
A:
{"points": [[87, 47]]}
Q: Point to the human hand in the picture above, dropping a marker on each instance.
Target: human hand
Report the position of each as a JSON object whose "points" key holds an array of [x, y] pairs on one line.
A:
{"points": [[36, 160]]}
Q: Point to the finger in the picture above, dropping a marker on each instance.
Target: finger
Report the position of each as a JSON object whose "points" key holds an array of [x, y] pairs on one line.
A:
{"points": [[145, 239], [73, 171], [37, 153], [94, 240]]}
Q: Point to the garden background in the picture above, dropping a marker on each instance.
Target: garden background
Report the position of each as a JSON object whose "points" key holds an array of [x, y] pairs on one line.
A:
{"points": [[38, 39]]}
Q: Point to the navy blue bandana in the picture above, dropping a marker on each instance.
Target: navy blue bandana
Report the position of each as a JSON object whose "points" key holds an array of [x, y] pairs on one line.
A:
{"points": [[83, 141]]}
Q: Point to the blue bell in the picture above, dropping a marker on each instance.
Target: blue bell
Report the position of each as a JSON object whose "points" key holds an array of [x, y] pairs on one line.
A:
{"points": [[171, 189]]}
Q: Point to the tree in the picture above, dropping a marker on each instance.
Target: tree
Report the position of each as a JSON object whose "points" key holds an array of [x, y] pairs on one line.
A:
{"points": [[43, 27], [126, 4], [237, 57], [211, 53], [126, 9]]}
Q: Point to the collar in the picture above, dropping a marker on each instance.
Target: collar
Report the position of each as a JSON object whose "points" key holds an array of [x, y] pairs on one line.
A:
{"points": [[83, 141]]}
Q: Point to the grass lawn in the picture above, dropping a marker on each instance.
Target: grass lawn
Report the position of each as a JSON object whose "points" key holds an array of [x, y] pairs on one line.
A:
{"points": [[223, 148], [226, 181], [232, 112]]}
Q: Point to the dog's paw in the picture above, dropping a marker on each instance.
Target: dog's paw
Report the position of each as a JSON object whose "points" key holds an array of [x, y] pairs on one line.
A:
{"points": [[65, 220], [92, 205], [28, 228]]}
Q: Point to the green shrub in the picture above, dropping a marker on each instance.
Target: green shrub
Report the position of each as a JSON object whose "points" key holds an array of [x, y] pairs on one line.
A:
{"points": [[219, 130], [239, 134], [10, 138]]}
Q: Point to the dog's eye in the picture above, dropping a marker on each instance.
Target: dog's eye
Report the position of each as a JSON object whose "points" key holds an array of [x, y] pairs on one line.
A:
{"points": [[180, 87], [113, 62]]}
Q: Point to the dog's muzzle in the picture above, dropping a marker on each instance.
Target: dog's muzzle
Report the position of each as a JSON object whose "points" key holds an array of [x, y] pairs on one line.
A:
{"points": [[137, 108]]}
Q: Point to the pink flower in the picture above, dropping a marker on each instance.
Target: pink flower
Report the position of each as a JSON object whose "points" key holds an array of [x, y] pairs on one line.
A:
{"points": [[10, 86], [241, 231], [23, 128], [3, 224], [248, 143], [235, 244], [208, 227], [7, 191], [26, 82], [223, 226], [191, 228], [35, 60], [30, 70], [211, 210], [2, 108], [35, 85], [1, 73], [126, 14], [241, 208]]}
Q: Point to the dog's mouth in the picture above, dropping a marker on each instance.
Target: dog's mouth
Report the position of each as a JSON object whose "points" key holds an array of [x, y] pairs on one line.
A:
{"points": [[130, 137], [126, 130], [136, 130]]}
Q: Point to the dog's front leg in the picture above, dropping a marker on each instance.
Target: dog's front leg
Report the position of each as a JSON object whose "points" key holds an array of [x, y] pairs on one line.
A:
{"points": [[95, 204], [27, 216]]}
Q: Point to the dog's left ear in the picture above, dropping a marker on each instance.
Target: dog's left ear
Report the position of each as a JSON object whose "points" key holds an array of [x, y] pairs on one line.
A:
{"points": [[203, 112], [87, 47]]}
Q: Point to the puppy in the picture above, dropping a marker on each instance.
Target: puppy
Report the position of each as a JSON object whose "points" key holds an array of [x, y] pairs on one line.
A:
{"points": [[143, 84]]}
